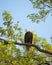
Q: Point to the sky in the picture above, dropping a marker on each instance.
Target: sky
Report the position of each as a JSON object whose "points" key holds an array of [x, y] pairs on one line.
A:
{"points": [[19, 9]]}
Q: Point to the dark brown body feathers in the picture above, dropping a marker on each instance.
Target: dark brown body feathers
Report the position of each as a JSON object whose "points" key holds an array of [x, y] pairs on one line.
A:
{"points": [[28, 38]]}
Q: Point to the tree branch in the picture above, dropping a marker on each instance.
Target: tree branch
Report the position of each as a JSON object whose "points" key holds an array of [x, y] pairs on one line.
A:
{"points": [[38, 48], [25, 44]]}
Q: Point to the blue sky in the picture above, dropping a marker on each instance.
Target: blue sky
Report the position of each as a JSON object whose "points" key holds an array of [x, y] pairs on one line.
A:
{"points": [[19, 10]]}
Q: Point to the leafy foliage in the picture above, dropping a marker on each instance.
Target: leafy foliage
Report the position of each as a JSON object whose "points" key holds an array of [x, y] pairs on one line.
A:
{"points": [[11, 55], [10, 31], [43, 8]]}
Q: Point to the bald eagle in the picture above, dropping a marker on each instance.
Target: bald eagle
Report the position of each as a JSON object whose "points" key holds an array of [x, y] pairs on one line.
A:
{"points": [[28, 38]]}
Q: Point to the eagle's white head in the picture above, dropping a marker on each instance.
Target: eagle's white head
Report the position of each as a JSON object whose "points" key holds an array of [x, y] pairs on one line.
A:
{"points": [[27, 30]]}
